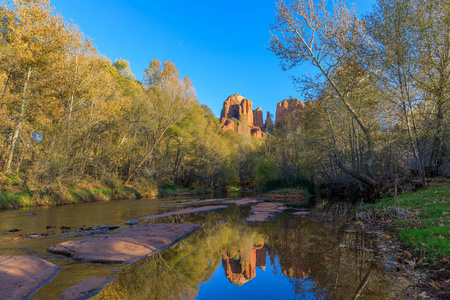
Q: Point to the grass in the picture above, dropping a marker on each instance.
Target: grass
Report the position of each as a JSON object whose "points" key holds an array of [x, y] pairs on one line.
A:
{"points": [[233, 188], [14, 196], [421, 219]]}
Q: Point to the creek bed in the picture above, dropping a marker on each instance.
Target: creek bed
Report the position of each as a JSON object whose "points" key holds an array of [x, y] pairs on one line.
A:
{"points": [[290, 257]]}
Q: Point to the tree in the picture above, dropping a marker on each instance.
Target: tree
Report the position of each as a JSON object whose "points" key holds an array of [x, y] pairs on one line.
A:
{"points": [[166, 102], [390, 27], [307, 32], [36, 40]]}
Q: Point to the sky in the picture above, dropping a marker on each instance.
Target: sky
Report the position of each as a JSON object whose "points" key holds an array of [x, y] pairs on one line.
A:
{"points": [[221, 45]]}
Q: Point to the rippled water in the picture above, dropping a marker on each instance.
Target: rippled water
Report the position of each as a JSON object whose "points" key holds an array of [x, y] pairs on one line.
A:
{"points": [[290, 257]]}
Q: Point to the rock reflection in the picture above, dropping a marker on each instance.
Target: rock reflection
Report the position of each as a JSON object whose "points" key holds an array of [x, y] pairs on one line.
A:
{"points": [[240, 267], [308, 260]]}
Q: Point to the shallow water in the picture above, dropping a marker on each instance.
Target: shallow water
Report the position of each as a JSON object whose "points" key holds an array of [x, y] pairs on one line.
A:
{"points": [[290, 257]]}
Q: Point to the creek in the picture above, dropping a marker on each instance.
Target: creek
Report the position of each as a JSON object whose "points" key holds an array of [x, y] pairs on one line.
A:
{"points": [[290, 257]]}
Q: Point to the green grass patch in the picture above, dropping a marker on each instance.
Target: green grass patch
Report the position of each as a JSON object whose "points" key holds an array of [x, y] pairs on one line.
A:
{"points": [[425, 220], [233, 188]]}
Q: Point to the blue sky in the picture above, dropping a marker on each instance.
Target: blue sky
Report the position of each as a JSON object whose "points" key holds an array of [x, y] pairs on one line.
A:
{"points": [[220, 44]]}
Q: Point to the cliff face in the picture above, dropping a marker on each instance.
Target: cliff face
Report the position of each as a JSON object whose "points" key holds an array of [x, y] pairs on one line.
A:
{"points": [[237, 115], [238, 107], [258, 117], [288, 106], [269, 122]]}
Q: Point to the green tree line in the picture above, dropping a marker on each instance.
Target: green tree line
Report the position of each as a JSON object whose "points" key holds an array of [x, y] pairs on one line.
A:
{"points": [[381, 92], [69, 115]]}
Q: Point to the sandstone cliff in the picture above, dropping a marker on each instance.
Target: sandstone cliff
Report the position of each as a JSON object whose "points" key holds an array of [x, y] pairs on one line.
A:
{"points": [[288, 106], [269, 122], [238, 107], [258, 117], [237, 115]]}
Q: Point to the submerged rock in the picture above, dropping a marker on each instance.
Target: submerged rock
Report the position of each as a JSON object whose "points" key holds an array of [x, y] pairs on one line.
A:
{"points": [[86, 288], [127, 244], [21, 276]]}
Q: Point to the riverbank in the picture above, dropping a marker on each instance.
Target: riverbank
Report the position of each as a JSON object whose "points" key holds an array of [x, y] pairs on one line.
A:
{"points": [[15, 192], [419, 224]]}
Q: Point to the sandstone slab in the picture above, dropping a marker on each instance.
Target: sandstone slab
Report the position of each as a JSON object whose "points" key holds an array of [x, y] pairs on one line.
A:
{"points": [[302, 213], [183, 211], [86, 288], [125, 245], [265, 211], [243, 201], [21, 276]]}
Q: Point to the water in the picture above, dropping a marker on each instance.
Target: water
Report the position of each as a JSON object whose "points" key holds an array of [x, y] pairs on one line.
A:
{"points": [[288, 258]]}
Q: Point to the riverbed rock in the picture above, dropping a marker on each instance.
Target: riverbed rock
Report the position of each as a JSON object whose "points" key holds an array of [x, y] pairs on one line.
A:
{"points": [[243, 201], [301, 213], [125, 245], [86, 288], [265, 211], [21, 276], [131, 222], [182, 211]]}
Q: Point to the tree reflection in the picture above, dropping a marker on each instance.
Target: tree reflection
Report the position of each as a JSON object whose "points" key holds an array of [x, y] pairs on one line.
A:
{"points": [[315, 260]]}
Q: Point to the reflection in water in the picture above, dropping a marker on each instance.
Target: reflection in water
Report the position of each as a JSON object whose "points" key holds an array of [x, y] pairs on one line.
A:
{"points": [[240, 266], [297, 258]]}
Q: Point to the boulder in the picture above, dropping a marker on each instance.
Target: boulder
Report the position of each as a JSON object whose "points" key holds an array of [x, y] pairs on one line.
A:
{"points": [[21, 276], [256, 132], [227, 124]]}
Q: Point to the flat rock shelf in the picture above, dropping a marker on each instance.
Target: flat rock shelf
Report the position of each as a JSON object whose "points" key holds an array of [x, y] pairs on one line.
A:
{"points": [[21, 276], [265, 211], [86, 288], [182, 211], [244, 201], [125, 245]]}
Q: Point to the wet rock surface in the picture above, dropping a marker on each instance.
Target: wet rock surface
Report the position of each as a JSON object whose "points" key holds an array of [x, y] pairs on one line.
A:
{"points": [[86, 288], [125, 245], [182, 211], [265, 211], [244, 201], [21, 276]]}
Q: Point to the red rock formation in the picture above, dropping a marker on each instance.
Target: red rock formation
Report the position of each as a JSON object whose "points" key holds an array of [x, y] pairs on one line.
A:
{"points": [[256, 132], [227, 124], [244, 121], [269, 121], [287, 106], [261, 258], [298, 269], [235, 270], [258, 117], [239, 107]]}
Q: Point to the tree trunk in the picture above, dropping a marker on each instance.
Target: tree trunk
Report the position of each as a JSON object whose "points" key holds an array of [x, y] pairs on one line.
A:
{"points": [[16, 133]]}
